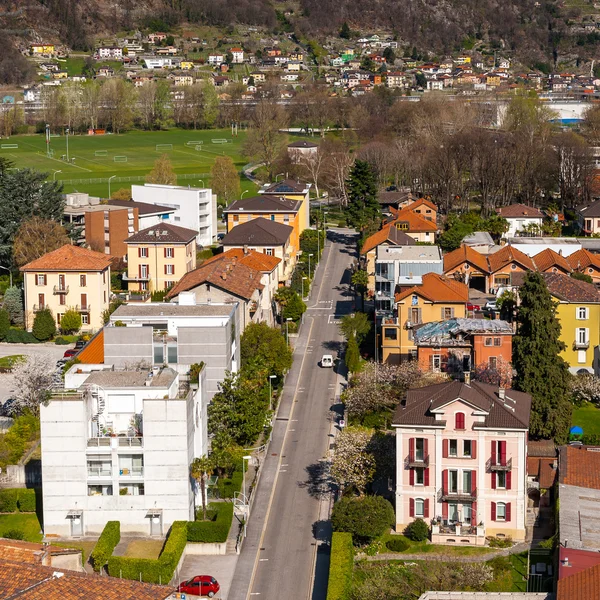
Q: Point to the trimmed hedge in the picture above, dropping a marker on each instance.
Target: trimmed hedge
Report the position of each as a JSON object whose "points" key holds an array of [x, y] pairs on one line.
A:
{"points": [[217, 528], [153, 571], [107, 542], [19, 336], [26, 500], [227, 486], [8, 500], [397, 544], [340, 566]]}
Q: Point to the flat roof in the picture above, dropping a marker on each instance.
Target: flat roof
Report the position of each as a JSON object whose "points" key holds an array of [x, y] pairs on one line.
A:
{"points": [[132, 379], [579, 519], [171, 309], [409, 253], [549, 241], [92, 208]]}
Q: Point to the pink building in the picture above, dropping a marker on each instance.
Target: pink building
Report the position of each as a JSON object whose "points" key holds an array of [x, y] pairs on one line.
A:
{"points": [[461, 460]]}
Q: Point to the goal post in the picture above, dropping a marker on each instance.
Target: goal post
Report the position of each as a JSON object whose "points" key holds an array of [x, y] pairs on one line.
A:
{"points": [[194, 143], [163, 147], [121, 159], [9, 146], [101, 153]]}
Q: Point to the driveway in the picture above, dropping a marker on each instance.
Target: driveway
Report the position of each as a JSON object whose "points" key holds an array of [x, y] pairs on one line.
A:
{"points": [[221, 568]]}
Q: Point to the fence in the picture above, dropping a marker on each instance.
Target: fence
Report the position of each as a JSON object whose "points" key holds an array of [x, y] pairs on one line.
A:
{"points": [[132, 179]]}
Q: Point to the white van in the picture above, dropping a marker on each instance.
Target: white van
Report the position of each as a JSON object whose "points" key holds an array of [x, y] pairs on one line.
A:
{"points": [[327, 361]]}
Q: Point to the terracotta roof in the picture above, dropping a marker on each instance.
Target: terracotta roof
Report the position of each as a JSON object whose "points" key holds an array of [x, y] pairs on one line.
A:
{"points": [[144, 208], [582, 259], [93, 352], [162, 233], [580, 586], [36, 582], [390, 234], [270, 204], [436, 288], [287, 186], [251, 258], [548, 258], [508, 255], [578, 560], [258, 232], [580, 467], [515, 211], [225, 272], [29, 552], [465, 254], [569, 289], [512, 412], [416, 223], [541, 448], [421, 202], [70, 258]]}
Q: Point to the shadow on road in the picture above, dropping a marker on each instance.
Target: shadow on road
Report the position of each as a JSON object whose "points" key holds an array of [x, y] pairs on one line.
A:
{"points": [[322, 532], [318, 482]]}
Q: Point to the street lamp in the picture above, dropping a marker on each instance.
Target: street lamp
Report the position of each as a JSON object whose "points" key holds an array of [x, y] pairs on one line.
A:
{"points": [[287, 331], [309, 263], [271, 390], [303, 286], [201, 181], [9, 273], [54, 174], [278, 175], [67, 134], [244, 192], [109, 179]]}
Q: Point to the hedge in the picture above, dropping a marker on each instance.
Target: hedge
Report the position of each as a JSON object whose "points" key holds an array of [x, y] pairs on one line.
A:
{"points": [[107, 542], [227, 486], [26, 500], [8, 500], [19, 336], [341, 564], [217, 528], [153, 570]]}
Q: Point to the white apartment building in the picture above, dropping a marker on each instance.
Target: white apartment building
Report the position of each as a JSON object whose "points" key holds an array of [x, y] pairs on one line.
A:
{"points": [[195, 208], [117, 445], [110, 52]]}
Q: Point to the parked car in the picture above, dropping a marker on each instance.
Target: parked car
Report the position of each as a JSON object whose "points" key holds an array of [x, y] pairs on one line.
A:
{"points": [[79, 344], [473, 307], [201, 585], [70, 353], [327, 361], [491, 305]]}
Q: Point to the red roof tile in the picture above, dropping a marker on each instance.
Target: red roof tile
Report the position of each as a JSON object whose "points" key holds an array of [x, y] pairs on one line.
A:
{"points": [[436, 288], [465, 254], [416, 222], [549, 259], [580, 586], [508, 255], [580, 467], [582, 259], [70, 258], [387, 234]]}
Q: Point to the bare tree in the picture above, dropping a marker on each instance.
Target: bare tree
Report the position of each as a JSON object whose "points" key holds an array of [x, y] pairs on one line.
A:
{"points": [[36, 237], [338, 162]]}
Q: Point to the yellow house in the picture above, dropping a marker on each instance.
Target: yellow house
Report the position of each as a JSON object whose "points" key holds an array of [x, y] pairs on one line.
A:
{"points": [[436, 298], [68, 278], [186, 65], [159, 256], [578, 311], [42, 48], [294, 190]]}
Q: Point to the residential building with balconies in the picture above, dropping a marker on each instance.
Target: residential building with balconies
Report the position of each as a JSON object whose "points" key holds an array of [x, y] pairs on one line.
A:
{"points": [[70, 277], [116, 446], [461, 461]]}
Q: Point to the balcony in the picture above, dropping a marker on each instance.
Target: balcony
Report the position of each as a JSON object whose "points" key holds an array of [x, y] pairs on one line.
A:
{"points": [[61, 289], [127, 277], [498, 465], [82, 308], [458, 496], [135, 472], [455, 534], [115, 442], [416, 460], [38, 307], [99, 471], [581, 345]]}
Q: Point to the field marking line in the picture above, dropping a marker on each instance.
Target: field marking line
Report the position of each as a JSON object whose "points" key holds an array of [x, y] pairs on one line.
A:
{"points": [[62, 162]]}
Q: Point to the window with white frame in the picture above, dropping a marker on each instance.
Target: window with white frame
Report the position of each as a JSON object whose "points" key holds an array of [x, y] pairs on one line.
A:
{"points": [[501, 480], [85, 319], [170, 269], [436, 363], [453, 482], [582, 313], [500, 511], [419, 476], [419, 507], [143, 252], [582, 335], [169, 252]]}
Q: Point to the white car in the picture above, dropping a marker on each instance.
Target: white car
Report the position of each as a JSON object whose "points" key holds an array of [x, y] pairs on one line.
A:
{"points": [[491, 305], [327, 361]]}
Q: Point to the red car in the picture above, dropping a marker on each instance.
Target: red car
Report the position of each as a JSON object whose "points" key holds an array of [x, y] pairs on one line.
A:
{"points": [[201, 585], [70, 353], [473, 307]]}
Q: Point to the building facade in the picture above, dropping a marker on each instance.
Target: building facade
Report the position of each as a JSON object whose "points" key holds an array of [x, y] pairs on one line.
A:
{"points": [[294, 190]]}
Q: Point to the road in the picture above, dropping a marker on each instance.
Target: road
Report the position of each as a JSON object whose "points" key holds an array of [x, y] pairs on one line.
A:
{"points": [[287, 532]]}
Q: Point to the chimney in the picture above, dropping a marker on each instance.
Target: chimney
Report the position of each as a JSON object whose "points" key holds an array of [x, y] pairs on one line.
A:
{"points": [[246, 251], [467, 376], [501, 393]]}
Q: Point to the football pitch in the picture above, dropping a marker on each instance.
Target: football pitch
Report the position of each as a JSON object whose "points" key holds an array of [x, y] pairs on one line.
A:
{"points": [[125, 158]]}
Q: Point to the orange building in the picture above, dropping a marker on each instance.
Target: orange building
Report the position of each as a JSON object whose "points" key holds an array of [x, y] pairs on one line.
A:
{"points": [[583, 261]]}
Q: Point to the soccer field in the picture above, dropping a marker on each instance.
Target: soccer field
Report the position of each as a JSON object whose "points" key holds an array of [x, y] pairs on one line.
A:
{"points": [[96, 158]]}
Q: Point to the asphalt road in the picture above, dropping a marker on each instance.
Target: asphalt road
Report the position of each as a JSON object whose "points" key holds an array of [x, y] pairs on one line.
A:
{"points": [[295, 531]]}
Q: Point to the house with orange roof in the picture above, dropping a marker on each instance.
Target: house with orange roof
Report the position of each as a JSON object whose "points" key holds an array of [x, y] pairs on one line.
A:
{"points": [[416, 225], [504, 264], [549, 261], [424, 207], [584, 261], [70, 277], [469, 266], [436, 297]]}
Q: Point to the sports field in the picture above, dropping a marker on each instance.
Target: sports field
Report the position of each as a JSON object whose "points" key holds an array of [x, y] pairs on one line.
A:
{"points": [[93, 159]]}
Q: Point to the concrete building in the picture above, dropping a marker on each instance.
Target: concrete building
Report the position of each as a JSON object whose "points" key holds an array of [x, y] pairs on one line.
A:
{"points": [[116, 446], [195, 208]]}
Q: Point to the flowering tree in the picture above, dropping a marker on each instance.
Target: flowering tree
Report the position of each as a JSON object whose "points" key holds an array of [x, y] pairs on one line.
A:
{"points": [[352, 464], [585, 388], [32, 382], [501, 375]]}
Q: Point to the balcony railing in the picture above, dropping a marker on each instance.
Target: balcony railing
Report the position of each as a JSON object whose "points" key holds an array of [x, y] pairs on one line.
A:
{"points": [[136, 472], [120, 441], [127, 277], [99, 471], [458, 496], [84, 308], [581, 345], [38, 307], [498, 465], [414, 460], [61, 289]]}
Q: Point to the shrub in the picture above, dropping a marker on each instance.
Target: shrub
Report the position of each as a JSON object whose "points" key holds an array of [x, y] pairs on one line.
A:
{"points": [[417, 531], [44, 326], [24, 429], [8, 500], [26, 500], [61, 341], [342, 224], [227, 486], [195, 371], [397, 544], [548, 544], [340, 566], [70, 322], [500, 542], [13, 304], [14, 534], [107, 542], [365, 518], [4, 324], [216, 529], [20, 336], [153, 571]]}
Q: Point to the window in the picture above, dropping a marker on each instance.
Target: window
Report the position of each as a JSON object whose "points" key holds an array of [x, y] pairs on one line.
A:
{"points": [[143, 252], [286, 218], [497, 341], [172, 355], [169, 252], [390, 334], [466, 483], [272, 217], [582, 313], [236, 218], [169, 284], [41, 301], [452, 512], [403, 226], [62, 300], [415, 314], [493, 362], [82, 280], [100, 490], [169, 269], [159, 354], [453, 448], [500, 511], [268, 251], [144, 286], [453, 482], [436, 364], [419, 449], [466, 447], [58, 317], [582, 336], [41, 279], [85, 319], [419, 476], [447, 313], [459, 420], [143, 271], [488, 341], [501, 480], [419, 507], [513, 267]]}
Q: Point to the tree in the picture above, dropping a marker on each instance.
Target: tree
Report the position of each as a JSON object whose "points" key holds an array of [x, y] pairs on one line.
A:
{"points": [[360, 281], [389, 55], [4, 323], [365, 518], [585, 387], [44, 326], [290, 303], [121, 194], [355, 325], [363, 207], [153, 103], [352, 355], [499, 376], [417, 531], [117, 99], [352, 465], [13, 305], [200, 470], [345, 32], [541, 371], [32, 380], [225, 180], [70, 322], [162, 172], [37, 237], [210, 109], [507, 303], [266, 343]]}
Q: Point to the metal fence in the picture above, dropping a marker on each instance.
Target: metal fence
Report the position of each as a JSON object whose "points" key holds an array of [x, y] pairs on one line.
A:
{"points": [[131, 179]]}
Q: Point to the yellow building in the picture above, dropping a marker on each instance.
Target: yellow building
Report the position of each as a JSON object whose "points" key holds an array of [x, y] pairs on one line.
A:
{"points": [[68, 278], [294, 190], [435, 299], [159, 256], [578, 311], [186, 65], [42, 48]]}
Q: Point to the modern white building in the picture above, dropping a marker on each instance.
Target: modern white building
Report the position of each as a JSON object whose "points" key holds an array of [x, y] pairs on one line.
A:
{"points": [[161, 62], [110, 52], [195, 208], [117, 445]]}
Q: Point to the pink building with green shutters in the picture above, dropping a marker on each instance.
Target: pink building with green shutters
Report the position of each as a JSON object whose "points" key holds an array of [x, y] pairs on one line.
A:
{"points": [[461, 451]]}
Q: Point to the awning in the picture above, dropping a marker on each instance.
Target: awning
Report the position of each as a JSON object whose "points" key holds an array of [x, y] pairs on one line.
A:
{"points": [[74, 514], [154, 513]]}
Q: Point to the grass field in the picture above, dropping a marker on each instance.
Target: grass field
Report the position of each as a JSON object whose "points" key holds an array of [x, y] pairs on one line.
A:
{"points": [[26, 522], [140, 150], [588, 418]]}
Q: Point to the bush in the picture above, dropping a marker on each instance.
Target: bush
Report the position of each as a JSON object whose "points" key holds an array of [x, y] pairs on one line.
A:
{"points": [[13, 304], [13, 443], [70, 322], [216, 529], [44, 326], [153, 571], [195, 371], [365, 518], [107, 542], [4, 324], [61, 341], [500, 542], [8, 500], [227, 486], [14, 534], [342, 224], [340, 566], [26, 500], [417, 531], [548, 544], [397, 544], [20, 336]]}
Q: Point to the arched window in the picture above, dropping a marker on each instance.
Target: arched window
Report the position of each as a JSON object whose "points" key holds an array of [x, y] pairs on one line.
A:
{"points": [[459, 420]]}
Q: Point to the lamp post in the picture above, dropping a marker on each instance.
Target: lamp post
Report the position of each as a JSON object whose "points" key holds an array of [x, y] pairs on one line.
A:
{"points": [[67, 134], [287, 331], [9, 273], [246, 503], [201, 181], [244, 192], [54, 174], [309, 263], [109, 179], [303, 286], [271, 377]]}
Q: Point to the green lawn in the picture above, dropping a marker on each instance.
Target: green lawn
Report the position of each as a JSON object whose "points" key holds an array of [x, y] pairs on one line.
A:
{"points": [[26, 522], [427, 548], [588, 418], [144, 549], [8, 361]]}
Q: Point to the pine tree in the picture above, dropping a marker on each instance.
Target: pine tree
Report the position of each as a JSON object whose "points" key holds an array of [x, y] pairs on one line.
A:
{"points": [[44, 326], [345, 32], [541, 371], [4, 323], [13, 305], [363, 207]]}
